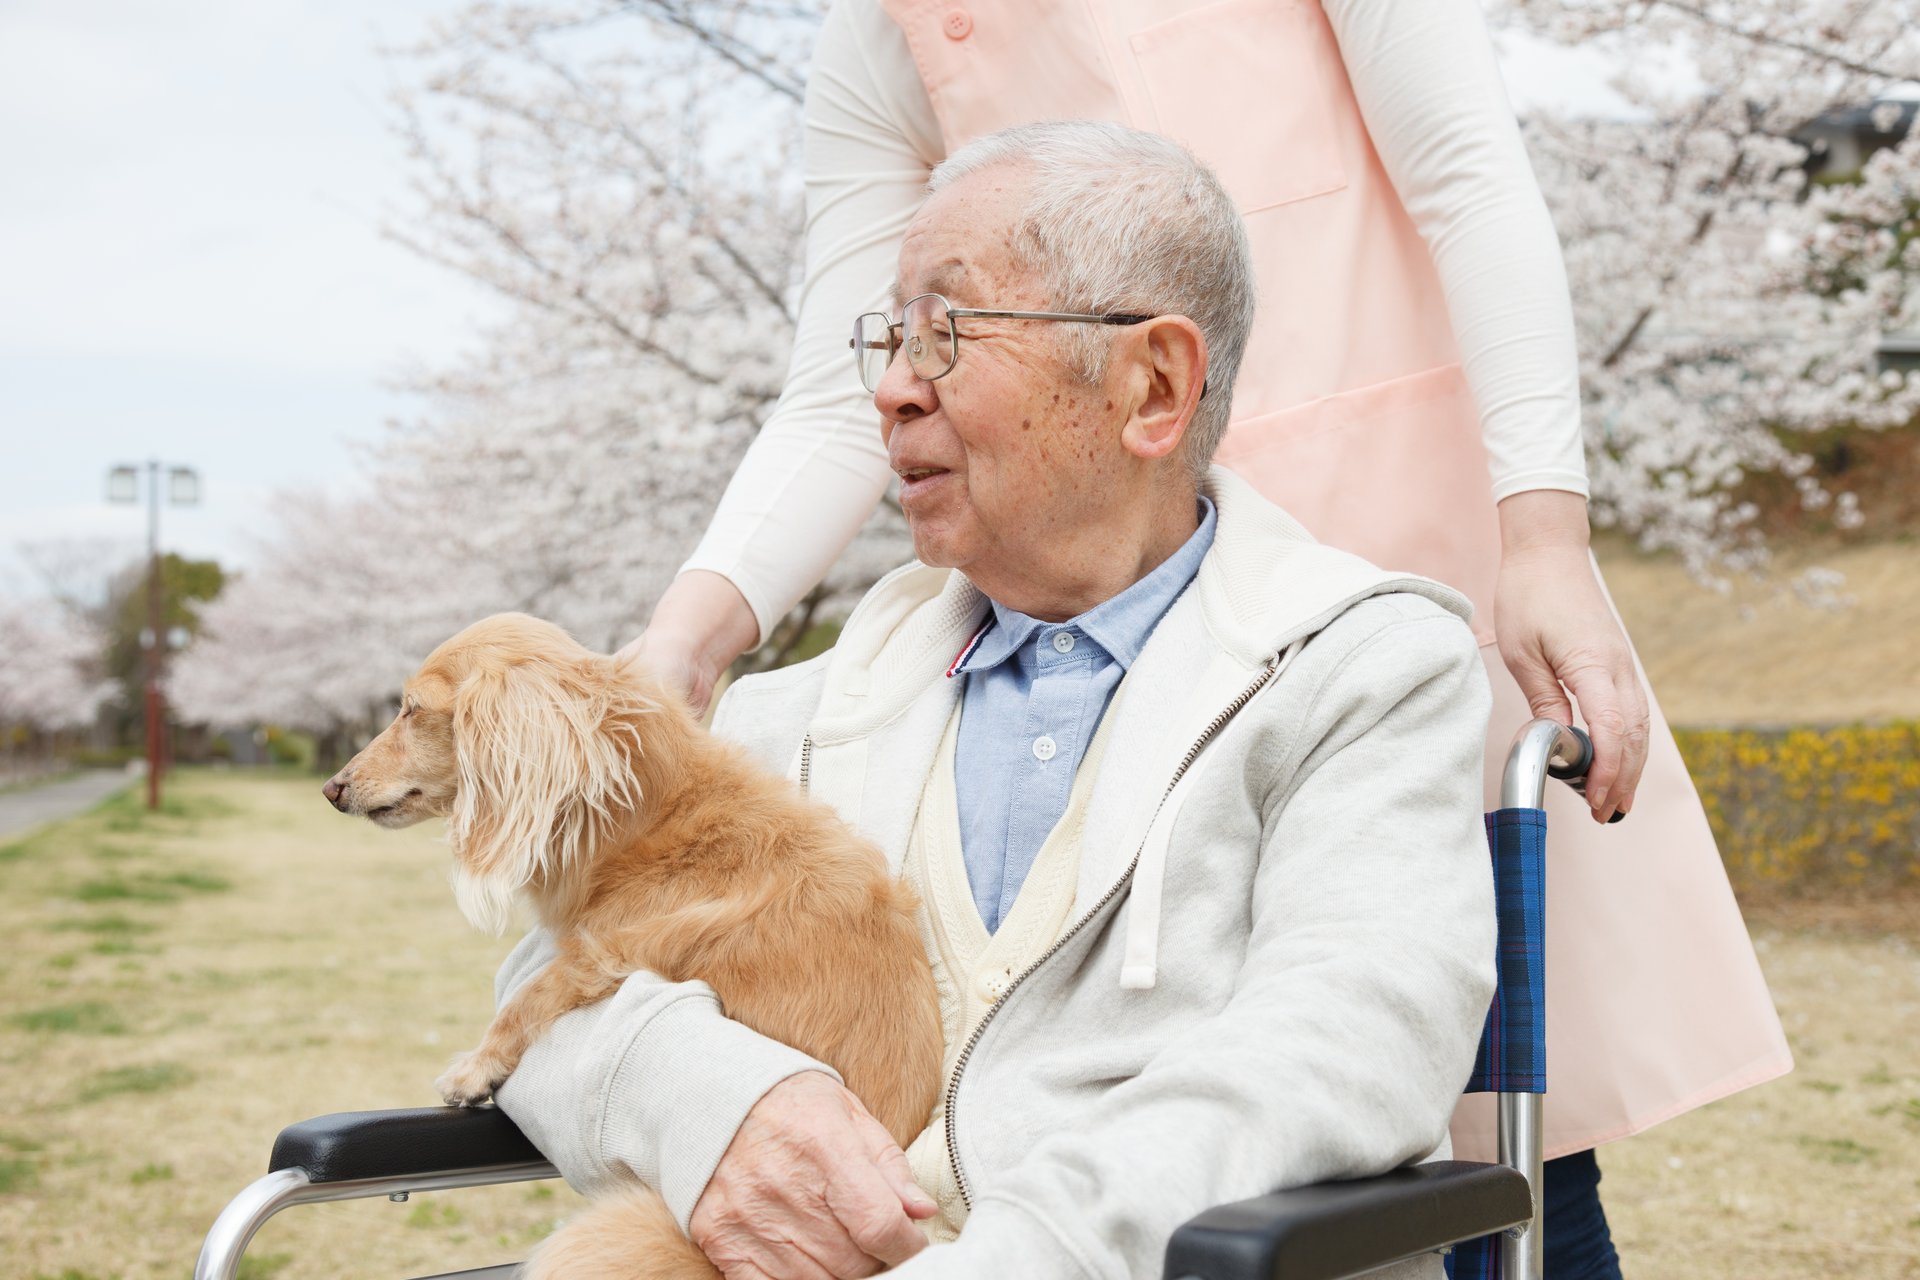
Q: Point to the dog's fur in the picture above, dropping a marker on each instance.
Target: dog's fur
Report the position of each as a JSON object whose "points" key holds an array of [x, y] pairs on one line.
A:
{"points": [[584, 790]]}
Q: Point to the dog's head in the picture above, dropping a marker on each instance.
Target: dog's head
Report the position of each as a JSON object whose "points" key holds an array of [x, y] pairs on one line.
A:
{"points": [[528, 744]]}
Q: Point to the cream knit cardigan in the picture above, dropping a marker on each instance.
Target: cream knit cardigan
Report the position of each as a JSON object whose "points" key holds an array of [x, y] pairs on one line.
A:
{"points": [[971, 968]]}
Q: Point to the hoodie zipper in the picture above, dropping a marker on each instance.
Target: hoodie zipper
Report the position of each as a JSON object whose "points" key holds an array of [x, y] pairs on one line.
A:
{"points": [[960, 1064]]}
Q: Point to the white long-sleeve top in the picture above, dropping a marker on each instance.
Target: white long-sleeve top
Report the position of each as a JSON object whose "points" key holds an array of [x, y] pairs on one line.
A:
{"points": [[1428, 85]]}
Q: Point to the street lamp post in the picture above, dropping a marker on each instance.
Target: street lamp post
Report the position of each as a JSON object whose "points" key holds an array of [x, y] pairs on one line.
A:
{"points": [[183, 490]]}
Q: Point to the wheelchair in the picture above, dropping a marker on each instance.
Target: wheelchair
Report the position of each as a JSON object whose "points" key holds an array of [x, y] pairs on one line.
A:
{"points": [[1485, 1215]]}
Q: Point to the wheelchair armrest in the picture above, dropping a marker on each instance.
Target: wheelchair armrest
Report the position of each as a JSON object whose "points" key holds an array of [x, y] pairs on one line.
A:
{"points": [[355, 1154], [351, 1145], [1336, 1229]]}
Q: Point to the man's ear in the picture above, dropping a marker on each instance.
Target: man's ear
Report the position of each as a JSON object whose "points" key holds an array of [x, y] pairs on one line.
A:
{"points": [[1167, 370]]}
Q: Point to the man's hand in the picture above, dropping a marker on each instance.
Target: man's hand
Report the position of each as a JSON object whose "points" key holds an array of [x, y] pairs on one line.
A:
{"points": [[1555, 629], [811, 1188]]}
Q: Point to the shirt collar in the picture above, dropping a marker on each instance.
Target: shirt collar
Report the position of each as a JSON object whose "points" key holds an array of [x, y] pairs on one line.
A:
{"points": [[1119, 625]]}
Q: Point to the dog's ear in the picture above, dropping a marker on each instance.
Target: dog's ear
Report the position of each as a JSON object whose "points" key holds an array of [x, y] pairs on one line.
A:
{"points": [[546, 748]]}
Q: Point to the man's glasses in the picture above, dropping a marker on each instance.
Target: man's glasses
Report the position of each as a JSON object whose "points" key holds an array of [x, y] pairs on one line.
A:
{"points": [[925, 329]]}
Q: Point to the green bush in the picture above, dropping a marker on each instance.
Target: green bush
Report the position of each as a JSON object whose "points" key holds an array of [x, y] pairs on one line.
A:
{"points": [[285, 746]]}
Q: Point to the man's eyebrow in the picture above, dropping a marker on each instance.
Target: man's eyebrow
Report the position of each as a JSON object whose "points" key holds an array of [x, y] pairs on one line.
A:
{"points": [[947, 276], [944, 279]]}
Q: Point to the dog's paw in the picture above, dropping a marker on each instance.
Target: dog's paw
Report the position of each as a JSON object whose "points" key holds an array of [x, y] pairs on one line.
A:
{"points": [[469, 1079]]}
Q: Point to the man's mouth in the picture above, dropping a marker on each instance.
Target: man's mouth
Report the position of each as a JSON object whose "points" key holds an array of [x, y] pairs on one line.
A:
{"points": [[918, 484]]}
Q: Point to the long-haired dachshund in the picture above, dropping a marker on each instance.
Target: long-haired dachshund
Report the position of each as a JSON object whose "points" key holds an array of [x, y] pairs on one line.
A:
{"points": [[584, 790]]}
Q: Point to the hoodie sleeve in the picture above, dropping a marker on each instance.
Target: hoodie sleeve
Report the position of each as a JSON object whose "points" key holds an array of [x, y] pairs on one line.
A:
{"points": [[652, 1082], [1360, 995]]}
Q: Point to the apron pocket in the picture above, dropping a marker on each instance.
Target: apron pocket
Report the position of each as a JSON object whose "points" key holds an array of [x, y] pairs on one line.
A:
{"points": [[1243, 84]]}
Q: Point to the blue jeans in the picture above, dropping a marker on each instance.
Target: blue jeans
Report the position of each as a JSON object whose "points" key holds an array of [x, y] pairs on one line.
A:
{"points": [[1579, 1246]]}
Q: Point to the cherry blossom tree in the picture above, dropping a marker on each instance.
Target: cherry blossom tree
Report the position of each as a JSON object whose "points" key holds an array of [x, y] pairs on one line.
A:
{"points": [[325, 626], [623, 175], [1725, 304], [51, 668]]}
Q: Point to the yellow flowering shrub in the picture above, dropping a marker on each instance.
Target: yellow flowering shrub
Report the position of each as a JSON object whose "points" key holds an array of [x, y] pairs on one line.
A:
{"points": [[1812, 808]]}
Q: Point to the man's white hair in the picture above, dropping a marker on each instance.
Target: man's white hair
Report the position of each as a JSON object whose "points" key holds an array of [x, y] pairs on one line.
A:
{"points": [[1116, 221]]}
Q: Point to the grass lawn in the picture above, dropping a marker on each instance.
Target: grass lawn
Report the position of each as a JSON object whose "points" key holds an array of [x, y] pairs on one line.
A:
{"points": [[1815, 1174], [179, 987]]}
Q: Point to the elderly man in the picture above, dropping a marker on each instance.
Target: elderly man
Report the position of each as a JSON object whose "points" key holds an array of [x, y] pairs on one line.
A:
{"points": [[1191, 802]]}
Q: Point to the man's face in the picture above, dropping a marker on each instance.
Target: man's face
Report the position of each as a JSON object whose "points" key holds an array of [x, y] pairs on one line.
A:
{"points": [[1009, 460]]}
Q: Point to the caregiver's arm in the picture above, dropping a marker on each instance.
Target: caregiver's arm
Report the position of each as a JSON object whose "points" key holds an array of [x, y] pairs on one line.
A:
{"points": [[1429, 87], [817, 467]]}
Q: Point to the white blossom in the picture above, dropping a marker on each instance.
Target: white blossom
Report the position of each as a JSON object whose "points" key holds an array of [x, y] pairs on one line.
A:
{"points": [[1724, 303], [50, 667], [625, 176]]}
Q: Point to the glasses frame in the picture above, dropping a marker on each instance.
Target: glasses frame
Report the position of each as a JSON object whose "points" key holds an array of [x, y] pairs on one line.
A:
{"points": [[896, 337]]}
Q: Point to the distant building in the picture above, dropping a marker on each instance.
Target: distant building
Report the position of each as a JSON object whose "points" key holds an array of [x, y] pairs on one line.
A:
{"points": [[1839, 144]]}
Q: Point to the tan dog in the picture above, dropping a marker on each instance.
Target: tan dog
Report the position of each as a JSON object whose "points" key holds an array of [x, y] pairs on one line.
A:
{"points": [[587, 792]]}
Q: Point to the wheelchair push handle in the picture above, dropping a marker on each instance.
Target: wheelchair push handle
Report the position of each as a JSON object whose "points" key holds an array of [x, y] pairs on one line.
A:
{"points": [[1546, 749]]}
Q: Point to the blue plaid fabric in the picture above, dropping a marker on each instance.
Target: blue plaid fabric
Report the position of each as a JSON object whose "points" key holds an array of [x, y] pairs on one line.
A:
{"points": [[1513, 1047], [1475, 1260]]}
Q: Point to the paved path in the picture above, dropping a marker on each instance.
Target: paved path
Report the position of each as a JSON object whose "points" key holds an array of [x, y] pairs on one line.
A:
{"points": [[21, 811]]}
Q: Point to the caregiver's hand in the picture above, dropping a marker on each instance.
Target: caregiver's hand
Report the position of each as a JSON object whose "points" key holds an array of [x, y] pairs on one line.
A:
{"points": [[1557, 635], [701, 624]]}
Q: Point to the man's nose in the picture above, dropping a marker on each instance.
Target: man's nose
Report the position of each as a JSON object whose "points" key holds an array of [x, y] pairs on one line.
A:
{"points": [[335, 788], [902, 393]]}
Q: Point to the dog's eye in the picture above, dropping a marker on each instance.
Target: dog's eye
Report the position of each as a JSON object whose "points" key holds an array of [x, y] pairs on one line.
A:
{"points": [[406, 710]]}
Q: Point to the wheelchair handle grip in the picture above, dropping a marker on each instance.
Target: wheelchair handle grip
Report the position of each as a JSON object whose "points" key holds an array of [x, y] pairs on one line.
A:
{"points": [[1574, 770], [1546, 749]]}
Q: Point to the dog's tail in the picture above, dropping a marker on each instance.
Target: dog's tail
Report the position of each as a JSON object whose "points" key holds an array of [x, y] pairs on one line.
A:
{"points": [[628, 1234]]}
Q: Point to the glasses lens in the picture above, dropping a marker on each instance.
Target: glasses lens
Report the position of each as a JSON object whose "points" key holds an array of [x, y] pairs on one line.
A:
{"points": [[928, 335], [872, 348]]}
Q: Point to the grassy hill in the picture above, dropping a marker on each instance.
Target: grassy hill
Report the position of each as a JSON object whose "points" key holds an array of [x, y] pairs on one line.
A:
{"points": [[1759, 656]]}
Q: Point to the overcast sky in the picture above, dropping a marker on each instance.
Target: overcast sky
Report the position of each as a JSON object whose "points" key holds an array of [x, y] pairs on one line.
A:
{"points": [[191, 266]]}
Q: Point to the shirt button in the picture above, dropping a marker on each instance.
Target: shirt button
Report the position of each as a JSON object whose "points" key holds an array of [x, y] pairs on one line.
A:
{"points": [[1063, 642], [959, 24], [1044, 747], [993, 986]]}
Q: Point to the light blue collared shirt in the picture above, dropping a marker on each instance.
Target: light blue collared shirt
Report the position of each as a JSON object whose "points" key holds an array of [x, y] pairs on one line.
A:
{"points": [[1035, 693]]}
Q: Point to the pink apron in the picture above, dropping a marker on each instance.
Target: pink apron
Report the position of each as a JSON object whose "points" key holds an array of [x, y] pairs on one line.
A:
{"points": [[1353, 413]]}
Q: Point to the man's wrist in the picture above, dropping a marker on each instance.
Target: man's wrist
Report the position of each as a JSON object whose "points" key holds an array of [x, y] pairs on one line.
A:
{"points": [[686, 1084]]}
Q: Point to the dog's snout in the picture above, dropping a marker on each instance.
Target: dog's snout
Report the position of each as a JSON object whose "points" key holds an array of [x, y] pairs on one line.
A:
{"points": [[334, 790]]}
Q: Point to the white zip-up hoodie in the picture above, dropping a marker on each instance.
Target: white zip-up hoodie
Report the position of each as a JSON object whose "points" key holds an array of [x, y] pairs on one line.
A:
{"points": [[1281, 947]]}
